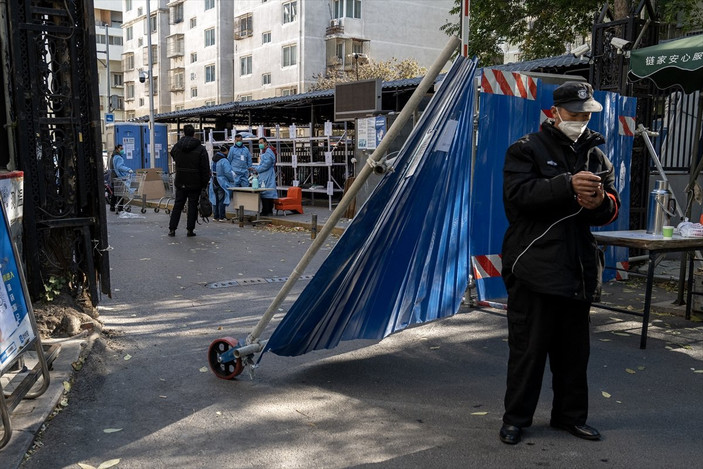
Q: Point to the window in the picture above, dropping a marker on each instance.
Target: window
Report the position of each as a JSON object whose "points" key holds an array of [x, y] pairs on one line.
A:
{"points": [[357, 47], [353, 9], [245, 65], [129, 90], [129, 32], [141, 101], [193, 76], [152, 22], [346, 8], [288, 91], [209, 4], [176, 45], [116, 103], [290, 12], [128, 61], [244, 26], [290, 55], [210, 103], [127, 5], [340, 51], [115, 40], [194, 92], [177, 79], [246, 97], [156, 88], [266, 79], [176, 13], [131, 115], [100, 39], [266, 37], [154, 55], [117, 79], [178, 107], [210, 37], [209, 73], [193, 22], [193, 57]]}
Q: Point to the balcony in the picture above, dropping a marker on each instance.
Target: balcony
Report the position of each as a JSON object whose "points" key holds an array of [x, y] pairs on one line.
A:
{"points": [[336, 27]]}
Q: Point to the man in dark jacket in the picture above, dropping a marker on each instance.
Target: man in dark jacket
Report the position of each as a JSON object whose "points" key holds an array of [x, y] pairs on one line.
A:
{"points": [[192, 176], [556, 184]]}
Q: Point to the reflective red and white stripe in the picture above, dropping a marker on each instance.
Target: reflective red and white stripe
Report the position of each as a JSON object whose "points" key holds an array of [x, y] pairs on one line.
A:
{"points": [[508, 84], [621, 272], [626, 126], [487, 266], [545, 114]]}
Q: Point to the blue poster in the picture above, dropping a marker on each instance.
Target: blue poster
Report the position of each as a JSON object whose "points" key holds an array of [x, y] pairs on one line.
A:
{"points": [[16, 331]]}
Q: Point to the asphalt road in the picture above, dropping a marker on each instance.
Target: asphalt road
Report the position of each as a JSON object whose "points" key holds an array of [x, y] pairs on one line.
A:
{"points": [[427, 397]]}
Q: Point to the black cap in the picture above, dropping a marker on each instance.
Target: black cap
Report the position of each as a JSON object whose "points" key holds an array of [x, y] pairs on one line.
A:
{"points": [[576, 96]]}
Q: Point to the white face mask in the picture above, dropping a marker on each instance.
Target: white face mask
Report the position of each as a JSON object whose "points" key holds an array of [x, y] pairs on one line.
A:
{"points": [[572, 129]]}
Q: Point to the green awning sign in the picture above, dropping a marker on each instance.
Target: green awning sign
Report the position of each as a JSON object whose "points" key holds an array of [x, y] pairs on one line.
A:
{"points": [[672, 63]]}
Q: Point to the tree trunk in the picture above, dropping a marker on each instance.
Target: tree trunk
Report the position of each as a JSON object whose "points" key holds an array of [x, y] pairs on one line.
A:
{"points": [[621, 9]]}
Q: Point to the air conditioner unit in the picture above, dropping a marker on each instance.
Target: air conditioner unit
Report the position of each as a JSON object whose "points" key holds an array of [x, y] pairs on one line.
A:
{"points": [[335, 23]]}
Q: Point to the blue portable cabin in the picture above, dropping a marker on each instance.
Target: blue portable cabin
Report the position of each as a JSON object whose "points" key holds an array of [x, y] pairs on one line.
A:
{"points": [[135, 140]]}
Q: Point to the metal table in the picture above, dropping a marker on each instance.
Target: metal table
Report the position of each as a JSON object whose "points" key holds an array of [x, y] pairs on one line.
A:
{"points": [[655, 245]]}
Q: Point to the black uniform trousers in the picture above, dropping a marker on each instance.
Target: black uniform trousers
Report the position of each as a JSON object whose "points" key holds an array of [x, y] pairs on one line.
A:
{"points": [[192, 195], [541, 326]]}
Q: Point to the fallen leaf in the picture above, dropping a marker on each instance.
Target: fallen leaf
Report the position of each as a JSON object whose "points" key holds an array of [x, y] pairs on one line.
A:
{"points": [[162, 379], [698, 371], [66, 386], [605, 394], [605, 340], [630, 370], [640, 368], [479, 413], [622, 334], [145, 259], [85, 466], [434, 348], [178, 276], [112, 430], [64, 403], [203, 369], [110, 463], [219, 328], [218, 413], [163, 397], [127, 357]]}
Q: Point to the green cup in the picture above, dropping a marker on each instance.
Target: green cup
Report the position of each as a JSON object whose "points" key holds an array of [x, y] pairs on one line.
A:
{"points": [[667, 232]]}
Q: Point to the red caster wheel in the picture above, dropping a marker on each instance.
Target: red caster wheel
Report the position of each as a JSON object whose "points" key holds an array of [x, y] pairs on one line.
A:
{"points": [[224, 370]]}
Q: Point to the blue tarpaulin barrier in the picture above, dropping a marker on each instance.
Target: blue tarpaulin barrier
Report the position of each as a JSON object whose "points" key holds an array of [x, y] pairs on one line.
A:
{"points": [[510, 106], [404, 258]]}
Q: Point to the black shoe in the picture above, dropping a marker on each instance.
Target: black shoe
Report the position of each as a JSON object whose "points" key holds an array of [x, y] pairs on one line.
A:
{"points": [[582, 431], [112, 209], [190, 233], [510, 434], [172, 233]]}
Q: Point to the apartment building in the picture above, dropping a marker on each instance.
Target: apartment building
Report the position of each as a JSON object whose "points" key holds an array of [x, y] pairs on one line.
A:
{"points": [[108, 37], [208, 52]]}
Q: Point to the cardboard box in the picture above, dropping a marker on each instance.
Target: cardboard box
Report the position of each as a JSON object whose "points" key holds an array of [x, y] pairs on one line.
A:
{"points": [[152, 185]]}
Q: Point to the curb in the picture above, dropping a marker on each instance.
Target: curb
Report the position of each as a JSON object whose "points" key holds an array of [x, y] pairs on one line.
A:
{"points": [[29, 416]]}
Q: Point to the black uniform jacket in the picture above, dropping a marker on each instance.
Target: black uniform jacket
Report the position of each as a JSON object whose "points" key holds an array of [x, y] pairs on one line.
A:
{"points": [[192, 166], [548, 245]]}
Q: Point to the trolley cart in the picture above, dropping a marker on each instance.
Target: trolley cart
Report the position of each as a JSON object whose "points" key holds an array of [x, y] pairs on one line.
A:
{"points": [[128, 189], [226, 357], [169, 197]]}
